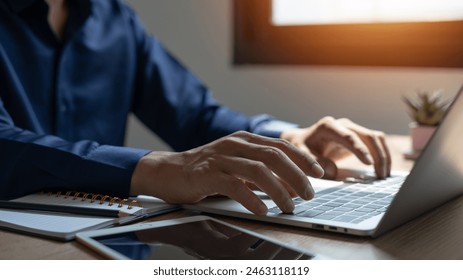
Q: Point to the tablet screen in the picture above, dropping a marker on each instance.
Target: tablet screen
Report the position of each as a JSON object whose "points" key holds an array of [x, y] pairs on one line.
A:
{"points": [[204, 239]]}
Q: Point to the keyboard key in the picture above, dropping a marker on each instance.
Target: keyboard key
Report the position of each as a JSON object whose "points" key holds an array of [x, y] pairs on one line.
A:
{"points": [[380, 195], [325, 217], [375, 206], [327, 198], [334, 213], [274, 210], [310, 213], [365, 210], [323, 208], [357, 213], [300, 208], [310, 204], [333, 204], [353, 205], [319, 200], [343, 201], [344, 209], [361, 193], [383, 203]]}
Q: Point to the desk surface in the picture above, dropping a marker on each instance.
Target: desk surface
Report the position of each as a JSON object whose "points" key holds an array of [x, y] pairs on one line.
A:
{"points": [[436, 235]]}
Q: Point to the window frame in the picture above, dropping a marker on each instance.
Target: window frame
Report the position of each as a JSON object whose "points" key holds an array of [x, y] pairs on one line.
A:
{"points": [[416, 44]]}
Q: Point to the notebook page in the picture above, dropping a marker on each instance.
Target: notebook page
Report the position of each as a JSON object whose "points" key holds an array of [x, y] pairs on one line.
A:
{"points": [[60, 225]]}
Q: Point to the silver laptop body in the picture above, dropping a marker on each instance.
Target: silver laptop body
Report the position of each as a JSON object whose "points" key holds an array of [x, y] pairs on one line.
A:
{"points": [[436, 178]]}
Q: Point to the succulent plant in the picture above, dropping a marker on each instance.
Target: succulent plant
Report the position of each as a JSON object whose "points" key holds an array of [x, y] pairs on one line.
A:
{"points": [[427, 108]]}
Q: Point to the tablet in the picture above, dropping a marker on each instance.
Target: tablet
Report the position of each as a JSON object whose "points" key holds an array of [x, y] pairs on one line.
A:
{"points": [[191, 238]]}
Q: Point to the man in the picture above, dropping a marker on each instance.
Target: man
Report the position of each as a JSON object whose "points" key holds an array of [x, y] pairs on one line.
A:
{"points": [[72, 71]]}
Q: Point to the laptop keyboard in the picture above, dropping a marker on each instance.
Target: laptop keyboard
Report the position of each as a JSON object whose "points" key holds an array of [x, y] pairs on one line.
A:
{"points": [[352, 203]]}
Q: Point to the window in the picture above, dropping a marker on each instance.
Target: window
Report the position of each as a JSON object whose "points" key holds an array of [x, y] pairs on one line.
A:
{"points": [[302, 12], [355, 32]]}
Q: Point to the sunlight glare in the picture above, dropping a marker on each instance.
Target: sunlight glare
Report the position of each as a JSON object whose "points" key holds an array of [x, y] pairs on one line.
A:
{"points": [[299, 12]]}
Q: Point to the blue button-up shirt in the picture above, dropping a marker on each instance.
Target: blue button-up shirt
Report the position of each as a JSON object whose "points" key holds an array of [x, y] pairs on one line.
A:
{"points": [[64, 103]]}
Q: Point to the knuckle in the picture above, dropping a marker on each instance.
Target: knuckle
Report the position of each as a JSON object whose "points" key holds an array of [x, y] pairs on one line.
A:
{"points": [[228, 141], [380, 134], [284, 143], [345, 120], [328, 119], [259, 168], [241, 134], [327, 123], [273, 153], [349, 137]]}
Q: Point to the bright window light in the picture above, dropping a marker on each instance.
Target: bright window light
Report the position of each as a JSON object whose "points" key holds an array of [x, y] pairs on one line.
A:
{"points": [[302, 12]]}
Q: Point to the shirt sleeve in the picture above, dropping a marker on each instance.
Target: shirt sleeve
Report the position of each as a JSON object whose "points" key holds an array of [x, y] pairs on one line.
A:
{"points": [[178, 107], [32, 162]]}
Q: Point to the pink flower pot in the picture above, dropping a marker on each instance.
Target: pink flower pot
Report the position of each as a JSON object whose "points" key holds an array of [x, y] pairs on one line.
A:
{"points": [[420, 134]]}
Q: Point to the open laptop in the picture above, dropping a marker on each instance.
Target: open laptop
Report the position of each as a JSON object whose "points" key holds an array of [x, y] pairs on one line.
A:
{"points": [[372, 208]]}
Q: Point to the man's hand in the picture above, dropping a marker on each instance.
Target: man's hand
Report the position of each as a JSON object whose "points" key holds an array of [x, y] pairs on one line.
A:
{"points": [[232, 166], [330, 139]]}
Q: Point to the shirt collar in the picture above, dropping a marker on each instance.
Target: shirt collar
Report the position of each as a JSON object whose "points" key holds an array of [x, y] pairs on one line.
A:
{"points": [[19, 5]]}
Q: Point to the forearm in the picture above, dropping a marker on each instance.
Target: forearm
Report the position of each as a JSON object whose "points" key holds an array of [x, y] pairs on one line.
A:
{"points": [[32, 162]]}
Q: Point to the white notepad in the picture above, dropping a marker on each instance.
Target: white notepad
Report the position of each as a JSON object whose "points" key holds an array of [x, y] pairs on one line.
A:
{"points": [[54, 225], [64, 226]]}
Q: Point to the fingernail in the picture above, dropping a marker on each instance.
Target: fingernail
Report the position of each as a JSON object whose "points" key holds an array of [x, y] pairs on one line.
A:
{"points": [[289, 207]]}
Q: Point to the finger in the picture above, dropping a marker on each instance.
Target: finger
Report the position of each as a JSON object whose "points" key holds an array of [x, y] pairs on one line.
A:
{"points": [[254, 187], [234, 189], [336, 132], [292, 193], [305, 149], [376, 142], [331, 170], [250, 185], [260, 175], [303, 160], [329, 167], [379, 155], [281, 165], [388, 155]]}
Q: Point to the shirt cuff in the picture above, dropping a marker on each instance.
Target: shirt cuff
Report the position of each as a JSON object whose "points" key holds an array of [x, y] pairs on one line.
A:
{"points": [[266, 125], [111, 167]]}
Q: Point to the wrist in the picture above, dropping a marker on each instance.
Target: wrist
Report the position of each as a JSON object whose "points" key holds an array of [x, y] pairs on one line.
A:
{"points": [[154, 175]]}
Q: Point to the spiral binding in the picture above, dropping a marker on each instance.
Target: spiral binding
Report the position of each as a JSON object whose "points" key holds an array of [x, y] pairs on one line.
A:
{"points": [[102, 199]]}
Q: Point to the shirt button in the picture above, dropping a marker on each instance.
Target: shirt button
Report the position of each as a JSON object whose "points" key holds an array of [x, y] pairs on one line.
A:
{"points": [[63, 108]]}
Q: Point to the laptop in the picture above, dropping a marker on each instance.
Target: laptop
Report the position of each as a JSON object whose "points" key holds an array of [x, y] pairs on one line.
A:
{"points": [[375, 207]]}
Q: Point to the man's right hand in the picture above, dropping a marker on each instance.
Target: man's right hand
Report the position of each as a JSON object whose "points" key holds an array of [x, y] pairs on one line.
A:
{"points": [[232, 166]]}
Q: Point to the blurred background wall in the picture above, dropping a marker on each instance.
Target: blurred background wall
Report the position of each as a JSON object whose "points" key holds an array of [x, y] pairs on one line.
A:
{"points": [[199, 34]]}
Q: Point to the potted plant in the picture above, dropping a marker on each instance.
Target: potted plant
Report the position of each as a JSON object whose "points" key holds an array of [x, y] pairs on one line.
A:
{"points": [[426, 110]]}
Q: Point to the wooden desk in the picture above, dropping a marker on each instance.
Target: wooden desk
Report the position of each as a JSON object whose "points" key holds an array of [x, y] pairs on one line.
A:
{"points": [[436, 235]]}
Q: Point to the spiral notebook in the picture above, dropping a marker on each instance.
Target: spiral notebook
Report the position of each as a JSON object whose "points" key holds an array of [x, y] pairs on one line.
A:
{"points": [[61, 215]]}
